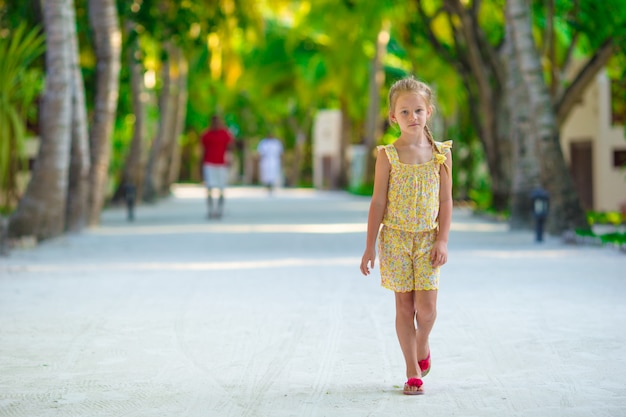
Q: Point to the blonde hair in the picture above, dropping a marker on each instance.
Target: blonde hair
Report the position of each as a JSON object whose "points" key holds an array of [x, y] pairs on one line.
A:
{"points": [[411, 85]]}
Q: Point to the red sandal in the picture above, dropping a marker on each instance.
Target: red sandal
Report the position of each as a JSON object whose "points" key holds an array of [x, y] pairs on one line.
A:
{"points": [[413, 383], [424, 365]]}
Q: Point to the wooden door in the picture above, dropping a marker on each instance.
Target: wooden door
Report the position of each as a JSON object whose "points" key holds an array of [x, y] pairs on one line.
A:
{"points": [[581, 169]]}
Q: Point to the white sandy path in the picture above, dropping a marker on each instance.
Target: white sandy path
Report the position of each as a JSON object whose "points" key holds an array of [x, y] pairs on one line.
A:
{"points": [[265, 314]]}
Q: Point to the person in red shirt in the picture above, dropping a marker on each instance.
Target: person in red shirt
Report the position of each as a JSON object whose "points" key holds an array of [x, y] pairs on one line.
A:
{"points": [[216, 142]]}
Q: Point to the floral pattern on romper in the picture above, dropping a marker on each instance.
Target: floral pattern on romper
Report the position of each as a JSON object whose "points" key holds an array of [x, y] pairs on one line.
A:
{"points": [[410, 222]]}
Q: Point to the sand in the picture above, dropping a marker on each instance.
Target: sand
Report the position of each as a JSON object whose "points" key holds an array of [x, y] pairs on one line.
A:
{"points": [[265, 313]]}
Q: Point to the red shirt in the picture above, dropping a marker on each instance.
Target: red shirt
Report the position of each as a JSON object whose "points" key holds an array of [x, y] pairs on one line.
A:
{"points": [[215, 143]]}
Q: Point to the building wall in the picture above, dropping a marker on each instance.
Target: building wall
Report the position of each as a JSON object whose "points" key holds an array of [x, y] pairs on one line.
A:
{"points": [[590, 120]]}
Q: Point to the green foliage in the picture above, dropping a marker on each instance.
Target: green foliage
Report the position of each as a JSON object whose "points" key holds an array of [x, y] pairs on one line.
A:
{"points": [[585, 233], [601, 21], [606, 217], [481, 197], [362, 189], [20, 86], [616, 70], [283, 60], [613, 238], [16, 12]]}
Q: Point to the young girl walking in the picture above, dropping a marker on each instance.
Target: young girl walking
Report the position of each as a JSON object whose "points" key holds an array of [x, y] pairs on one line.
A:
{"points": [[412, 199]]}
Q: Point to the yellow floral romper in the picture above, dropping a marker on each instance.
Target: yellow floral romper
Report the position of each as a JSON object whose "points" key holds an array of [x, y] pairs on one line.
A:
{"points": [[410, 223]]}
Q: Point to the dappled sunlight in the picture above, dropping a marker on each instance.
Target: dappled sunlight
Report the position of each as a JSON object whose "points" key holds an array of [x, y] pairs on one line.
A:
{"points": [[195, 191], [187, 266], [479, 227], [233, 229], [518, 254], [334, 228]]}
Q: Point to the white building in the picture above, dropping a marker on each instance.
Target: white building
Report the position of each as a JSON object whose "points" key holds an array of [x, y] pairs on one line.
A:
{"points": [[596, 149]]}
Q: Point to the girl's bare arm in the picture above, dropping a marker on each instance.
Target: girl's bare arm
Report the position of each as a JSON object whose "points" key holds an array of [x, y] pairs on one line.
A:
{"points": [[376, 211], [439, 254]]}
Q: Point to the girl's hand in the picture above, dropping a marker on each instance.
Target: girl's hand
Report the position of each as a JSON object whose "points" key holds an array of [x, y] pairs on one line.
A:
{"points": [[439, 254], [367, 262]]}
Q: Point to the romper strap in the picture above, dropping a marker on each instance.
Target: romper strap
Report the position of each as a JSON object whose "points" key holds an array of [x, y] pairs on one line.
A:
{"points": [[391, 152], [444, 147]]}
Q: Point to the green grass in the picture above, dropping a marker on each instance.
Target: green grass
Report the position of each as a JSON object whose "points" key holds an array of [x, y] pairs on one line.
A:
{"points": [[363, 189]]}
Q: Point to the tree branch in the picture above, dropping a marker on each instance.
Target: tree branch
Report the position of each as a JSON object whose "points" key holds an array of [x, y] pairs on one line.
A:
{"points": [[570, 49], [487, 51], [567, 100], [480, 67], [441, 49], [462, 61]]}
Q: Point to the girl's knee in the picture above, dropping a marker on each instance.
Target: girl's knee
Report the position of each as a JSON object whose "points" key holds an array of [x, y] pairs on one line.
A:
{"points": [[426, 314], [405, 304]]}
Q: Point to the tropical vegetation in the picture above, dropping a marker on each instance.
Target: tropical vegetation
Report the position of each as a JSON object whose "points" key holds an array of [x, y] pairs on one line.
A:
{"points": [[130, 85]]}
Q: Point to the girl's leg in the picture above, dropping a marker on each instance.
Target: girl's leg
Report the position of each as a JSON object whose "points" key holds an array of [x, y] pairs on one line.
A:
{"points": [[405, 329], [210, 201], [426, 313]]}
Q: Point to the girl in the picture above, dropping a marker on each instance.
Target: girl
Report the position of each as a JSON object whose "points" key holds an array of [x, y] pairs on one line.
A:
{"points": [[412, 199]]}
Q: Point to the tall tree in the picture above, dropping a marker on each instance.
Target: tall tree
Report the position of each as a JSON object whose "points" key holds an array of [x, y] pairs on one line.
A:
{"points": [[133, 167], [172, 102], [526, 170], [41, 211], [170, 174], [373, 122], [478, 53], [78, 189], [566, 211], [357, 24], [455, 29], [104, 21]]}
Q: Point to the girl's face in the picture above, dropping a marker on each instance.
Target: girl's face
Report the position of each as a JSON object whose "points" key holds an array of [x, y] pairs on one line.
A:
{"points": [[411, 112]]}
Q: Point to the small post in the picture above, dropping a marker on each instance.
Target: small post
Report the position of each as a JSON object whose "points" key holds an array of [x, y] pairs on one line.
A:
{"points": [[130, 193], [540, 205], [4, 236]]}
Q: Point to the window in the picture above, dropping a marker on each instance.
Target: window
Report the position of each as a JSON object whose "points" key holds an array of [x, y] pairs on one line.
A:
{"points": [[619, 158]]}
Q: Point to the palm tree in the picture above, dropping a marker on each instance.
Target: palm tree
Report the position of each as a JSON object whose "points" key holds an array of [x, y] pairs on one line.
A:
{"points": [[373, 122], [78, 189], [163, 161], [41, 211], [108, 43], [566, 211], [132, 172], [526, 171]]}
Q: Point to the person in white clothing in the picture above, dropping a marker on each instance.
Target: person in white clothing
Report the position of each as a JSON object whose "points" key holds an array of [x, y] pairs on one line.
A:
{"points": [[270, 151]]}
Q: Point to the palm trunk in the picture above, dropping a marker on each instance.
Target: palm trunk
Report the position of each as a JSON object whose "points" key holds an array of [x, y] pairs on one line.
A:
{"points": [[299, 129], [526, 171], [79, 160], [566, 212], [132, 174], [178, 126], [156, 167], [373, 124], [104, 21], [41, 211]]}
